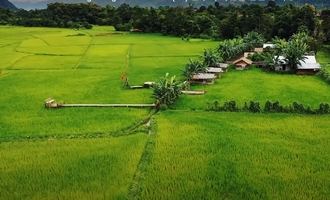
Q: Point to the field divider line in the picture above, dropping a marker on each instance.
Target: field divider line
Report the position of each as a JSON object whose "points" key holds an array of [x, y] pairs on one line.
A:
{"points": [[39, 38], [85, 52], [17, 61], [135, 189], [131, 129]]}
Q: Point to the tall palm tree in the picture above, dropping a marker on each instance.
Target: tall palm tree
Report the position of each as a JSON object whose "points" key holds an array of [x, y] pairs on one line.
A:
{"points": [[295, 53]]}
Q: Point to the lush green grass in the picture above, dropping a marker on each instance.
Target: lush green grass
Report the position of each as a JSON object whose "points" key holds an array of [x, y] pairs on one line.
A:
{"points": [[323, 57], [239, 156], [256, 85], [69, 169], [80, 67], [194, 155]]}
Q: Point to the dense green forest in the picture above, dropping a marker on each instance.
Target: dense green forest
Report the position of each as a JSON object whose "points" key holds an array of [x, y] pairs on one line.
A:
{"points": [[214, 21]]}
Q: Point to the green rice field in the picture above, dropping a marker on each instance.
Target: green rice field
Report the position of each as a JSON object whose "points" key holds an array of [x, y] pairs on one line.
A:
{"points": [[184, 153]]}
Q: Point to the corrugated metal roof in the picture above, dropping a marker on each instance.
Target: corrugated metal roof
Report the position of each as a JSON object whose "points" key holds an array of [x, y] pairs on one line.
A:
{"points": [[309, 63], [214, 70], [203, 76]]}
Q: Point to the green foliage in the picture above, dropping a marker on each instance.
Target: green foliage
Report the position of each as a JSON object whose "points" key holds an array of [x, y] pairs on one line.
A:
{"points": [[295, 52], [220, 152], [232, 48], [212, 22], [325, 75], [228, 106], [254, 107], [211, 57], [253, 39], [193, 67], [167, 90], [269, 107]]}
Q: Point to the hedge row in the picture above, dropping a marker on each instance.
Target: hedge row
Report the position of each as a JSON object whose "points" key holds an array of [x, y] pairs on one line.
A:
{"points": [[269, 107], [325, 75]]}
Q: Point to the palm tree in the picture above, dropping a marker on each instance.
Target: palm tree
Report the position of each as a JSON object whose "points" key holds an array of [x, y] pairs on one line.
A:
{"points": [[211, 57], [193, 67], [295, 52], [167, 90], [252, 40]]}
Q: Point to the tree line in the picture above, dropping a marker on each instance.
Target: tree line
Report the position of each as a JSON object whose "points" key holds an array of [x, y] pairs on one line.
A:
{"points": [[214, 21]]}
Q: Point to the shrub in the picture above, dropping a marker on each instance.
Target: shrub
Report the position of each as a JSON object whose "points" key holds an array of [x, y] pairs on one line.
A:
{"points": [[298, 108], [254, 107], [230, 106], [324, 108], [167, 90], [270, 107], [325, 75]]}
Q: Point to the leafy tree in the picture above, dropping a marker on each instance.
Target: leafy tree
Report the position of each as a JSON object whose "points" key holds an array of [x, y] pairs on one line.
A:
{"points": [[193, 67], [295, 52], [211, 57], [167, 90]]}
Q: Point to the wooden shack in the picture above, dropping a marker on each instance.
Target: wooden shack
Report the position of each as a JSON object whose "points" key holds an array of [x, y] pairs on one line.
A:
{"points": [[214, 70], [223, 66], [242, 63], [203, 78]]}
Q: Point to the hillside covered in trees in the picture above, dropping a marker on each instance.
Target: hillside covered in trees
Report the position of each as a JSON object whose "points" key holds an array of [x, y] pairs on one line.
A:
{"points": [[214, 21], [5, 4], [27, 4]]}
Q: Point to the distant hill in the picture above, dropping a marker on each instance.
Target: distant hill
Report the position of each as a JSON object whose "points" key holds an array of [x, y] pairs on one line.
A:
{"points": [[7, 5], [36, 4]]}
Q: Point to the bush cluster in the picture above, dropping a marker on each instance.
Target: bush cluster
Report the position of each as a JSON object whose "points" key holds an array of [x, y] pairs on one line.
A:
{"points": [[269, 107], [325, 75]]}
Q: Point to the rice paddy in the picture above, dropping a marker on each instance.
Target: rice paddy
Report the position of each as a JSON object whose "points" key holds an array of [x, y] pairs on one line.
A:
{"points": [[98, 153]]}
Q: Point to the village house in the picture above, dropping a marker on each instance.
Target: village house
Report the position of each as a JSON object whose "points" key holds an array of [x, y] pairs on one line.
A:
{"points": [[308, 66]]}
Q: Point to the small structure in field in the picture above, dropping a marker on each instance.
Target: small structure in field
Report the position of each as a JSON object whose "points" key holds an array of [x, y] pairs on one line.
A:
{"points": [[193, 92], [248, 53], [51, 103], [203, 78], [268, 46], [223, 66], [308, 66], [148, 84], [258, 50], [282, 64], [214, 70], [242, 63]]}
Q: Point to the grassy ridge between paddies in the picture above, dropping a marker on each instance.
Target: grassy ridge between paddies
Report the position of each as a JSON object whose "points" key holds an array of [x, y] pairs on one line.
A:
{"points": [[69, 169], [257, 85], [239, 156]]}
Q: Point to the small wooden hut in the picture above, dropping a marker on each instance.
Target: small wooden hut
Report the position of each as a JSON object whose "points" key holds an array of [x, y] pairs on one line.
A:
{"points": [[223, 66], [242, 63], [214, 70], [203, 78]]}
